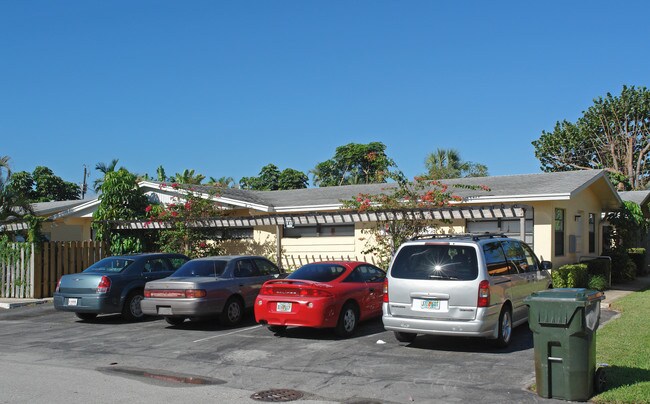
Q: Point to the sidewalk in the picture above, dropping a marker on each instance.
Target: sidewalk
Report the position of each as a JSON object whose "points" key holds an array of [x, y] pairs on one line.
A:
{"points": [[623, 289], [617, 291]]}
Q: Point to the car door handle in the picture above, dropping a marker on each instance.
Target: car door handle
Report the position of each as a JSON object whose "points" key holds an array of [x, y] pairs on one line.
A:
{"points": [[372, 290]]}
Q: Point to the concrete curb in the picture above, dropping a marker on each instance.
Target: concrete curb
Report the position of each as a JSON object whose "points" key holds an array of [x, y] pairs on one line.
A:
{"points": [[13, 303]]}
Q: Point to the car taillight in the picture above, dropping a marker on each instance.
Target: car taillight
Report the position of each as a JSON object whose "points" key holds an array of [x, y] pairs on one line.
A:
{"points": [[266, 290], [385, 290], [483, 294], [147, 293], [314, 293], [104, 285], [194, 293], [58, 286]]}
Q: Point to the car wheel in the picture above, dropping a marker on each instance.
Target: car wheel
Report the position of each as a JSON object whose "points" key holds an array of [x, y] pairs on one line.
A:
{"points": [[505, 328], [132, 310], [232, 312], [175, 320], [86, 316], [405, 336], [348, 320]]}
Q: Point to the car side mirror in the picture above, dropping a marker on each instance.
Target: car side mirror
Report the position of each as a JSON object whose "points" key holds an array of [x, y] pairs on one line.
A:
{"points": [[547, 265]]}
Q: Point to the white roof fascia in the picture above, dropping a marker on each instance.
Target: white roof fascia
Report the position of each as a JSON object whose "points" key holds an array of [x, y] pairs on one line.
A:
{"points": [[76, 209], [519, 198], [229, 201]]}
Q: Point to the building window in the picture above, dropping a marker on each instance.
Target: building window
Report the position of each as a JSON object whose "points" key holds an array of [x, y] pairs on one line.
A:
{"points": [[319, 231], [592, 233], [559, 232]]}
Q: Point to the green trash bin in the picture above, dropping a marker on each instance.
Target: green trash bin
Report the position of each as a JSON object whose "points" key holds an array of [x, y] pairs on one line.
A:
{"points": [[564, 323]]}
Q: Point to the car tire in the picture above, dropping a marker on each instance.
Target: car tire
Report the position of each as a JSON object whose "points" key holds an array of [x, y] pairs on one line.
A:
{"points": [[86, 316], [175, 320], [131, 309], [505, 328], [405, 336], [232, 312], [278, 329], [348, 321]]}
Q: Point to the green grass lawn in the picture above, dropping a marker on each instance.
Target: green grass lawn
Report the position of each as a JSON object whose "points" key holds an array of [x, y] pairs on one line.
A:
{"points": [[624, 344]]}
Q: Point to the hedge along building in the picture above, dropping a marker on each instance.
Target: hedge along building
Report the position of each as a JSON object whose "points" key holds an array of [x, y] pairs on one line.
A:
{"points": [[559, 214]]}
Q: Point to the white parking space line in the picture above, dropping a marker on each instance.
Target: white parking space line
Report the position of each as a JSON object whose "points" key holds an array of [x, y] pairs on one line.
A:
{"points": [[228, 333]]}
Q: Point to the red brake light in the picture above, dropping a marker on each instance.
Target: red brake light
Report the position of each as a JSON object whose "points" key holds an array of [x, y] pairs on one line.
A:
{"points": [[147, 293], [314, 293], [266, 290], [385, 290], [483, 294], [104, 285], [58, 285]]}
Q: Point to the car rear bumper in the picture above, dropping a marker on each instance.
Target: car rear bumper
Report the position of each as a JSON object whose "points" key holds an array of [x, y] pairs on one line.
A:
{"points": [[182, 307], [323, 312], [85, 304], [484, 325]]}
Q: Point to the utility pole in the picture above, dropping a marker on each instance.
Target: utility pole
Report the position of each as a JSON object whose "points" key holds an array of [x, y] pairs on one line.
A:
{"points": [[84, 185]]}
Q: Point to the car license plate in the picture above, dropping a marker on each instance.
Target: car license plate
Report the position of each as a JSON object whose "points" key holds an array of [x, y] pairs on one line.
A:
{"points": [[72, 301], [430, 304], [165, 311], [283, 307]]}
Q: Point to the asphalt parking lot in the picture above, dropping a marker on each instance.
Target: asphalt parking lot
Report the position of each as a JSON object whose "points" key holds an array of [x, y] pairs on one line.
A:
{"points": [[232, 364]]}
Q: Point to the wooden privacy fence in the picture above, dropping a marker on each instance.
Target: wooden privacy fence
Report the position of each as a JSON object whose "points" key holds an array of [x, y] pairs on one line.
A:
{"points": [[33, 273], [291, 262]]}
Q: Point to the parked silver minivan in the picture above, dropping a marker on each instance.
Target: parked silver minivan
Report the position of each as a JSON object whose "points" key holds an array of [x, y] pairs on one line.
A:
{"points": [[466, 285]]}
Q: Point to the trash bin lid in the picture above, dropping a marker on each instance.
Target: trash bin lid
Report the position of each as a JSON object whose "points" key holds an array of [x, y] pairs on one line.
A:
{"points": [[566, 294]]}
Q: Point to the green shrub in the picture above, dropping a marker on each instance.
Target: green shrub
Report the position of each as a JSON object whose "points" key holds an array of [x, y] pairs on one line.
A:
{"points": [[623, 268], [638, 257], [559, 276], [599, 266], [570, 276], [597, 282]]}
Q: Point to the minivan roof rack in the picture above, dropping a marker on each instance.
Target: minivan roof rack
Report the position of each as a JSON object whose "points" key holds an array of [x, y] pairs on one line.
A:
{"points": [[473, 236]]}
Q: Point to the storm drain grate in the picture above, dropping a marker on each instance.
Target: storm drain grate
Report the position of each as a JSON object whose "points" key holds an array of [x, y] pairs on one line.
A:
{"points": [[277, 395]]}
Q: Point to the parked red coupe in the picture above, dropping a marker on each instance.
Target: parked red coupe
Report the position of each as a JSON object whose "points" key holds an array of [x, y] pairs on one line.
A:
{"points": [[333, 294]]}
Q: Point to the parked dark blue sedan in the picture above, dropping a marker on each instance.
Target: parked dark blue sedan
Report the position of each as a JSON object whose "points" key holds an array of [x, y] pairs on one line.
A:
{"points": [[114, 285]]}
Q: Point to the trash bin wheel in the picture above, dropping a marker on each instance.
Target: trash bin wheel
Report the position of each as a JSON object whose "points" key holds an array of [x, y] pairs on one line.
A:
{"points": [[600, 380]]}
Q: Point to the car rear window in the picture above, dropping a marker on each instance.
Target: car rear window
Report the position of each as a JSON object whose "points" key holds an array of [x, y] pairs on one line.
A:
{"points": [[110, 264], [435, 261], [318, 272], [200, 268]]}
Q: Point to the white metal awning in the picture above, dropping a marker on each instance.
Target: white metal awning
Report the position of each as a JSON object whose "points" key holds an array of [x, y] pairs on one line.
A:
{"points": [[342, 217]]}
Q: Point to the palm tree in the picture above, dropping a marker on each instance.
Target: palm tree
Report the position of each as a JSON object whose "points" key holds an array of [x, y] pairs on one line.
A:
{"points": [[104, 169], [444, 163], [188, 177], [226, 182]]}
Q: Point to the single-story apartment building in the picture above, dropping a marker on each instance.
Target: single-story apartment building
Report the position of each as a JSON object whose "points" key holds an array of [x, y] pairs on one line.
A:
{"points": [[561, 215]]}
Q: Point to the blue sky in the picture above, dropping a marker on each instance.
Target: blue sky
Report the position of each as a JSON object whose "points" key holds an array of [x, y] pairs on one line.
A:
{"points": [[225, 88]]}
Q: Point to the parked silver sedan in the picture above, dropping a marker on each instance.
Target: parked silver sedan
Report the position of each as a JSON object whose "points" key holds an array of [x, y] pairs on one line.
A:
{"points": [[222, 286]]}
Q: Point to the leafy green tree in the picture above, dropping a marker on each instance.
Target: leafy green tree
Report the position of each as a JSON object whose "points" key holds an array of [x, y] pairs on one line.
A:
{"points": [[446, 163], [355, 164], [612, 134], [49, 187], [104, 169], [22, 183], [188, 177], [292, 179], [13, 205], [271, 179], [120, 199]]}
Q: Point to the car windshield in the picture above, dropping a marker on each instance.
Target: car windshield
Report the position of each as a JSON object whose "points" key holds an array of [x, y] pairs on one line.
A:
{"points": [[318, 272], [110, 264], [436, 261], [201, 268]]}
